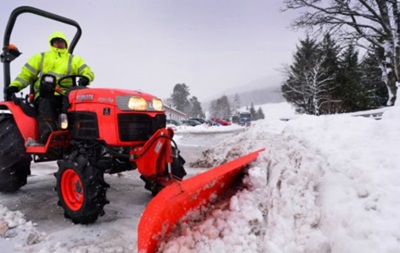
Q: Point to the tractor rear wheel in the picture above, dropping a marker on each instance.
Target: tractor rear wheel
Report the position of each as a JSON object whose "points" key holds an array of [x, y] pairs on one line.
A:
{"points": [[15, 163], [81, 189]]}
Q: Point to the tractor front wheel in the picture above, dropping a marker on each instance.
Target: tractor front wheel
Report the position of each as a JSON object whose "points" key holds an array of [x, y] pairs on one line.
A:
{"points": [[81, 189]]}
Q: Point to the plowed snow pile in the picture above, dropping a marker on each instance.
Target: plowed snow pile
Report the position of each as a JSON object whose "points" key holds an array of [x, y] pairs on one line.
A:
{"points": [[324, 184]]}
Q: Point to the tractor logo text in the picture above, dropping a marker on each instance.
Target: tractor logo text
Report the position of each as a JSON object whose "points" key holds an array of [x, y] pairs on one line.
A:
{"points": [[84, 97], [105, 100]]}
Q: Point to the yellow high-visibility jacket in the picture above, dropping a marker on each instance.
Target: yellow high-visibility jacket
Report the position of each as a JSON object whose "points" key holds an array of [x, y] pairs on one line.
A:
{"points": [[57, 62]]}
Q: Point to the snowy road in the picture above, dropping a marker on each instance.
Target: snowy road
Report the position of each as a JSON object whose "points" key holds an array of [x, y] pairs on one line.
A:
{"points": [[115, 231]]}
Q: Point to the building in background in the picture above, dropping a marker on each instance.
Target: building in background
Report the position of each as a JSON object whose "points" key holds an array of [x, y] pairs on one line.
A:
{"points": [[174, 114]]}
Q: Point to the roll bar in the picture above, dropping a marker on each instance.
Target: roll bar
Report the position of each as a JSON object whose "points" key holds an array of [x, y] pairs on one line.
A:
{"points": [[7, 56]]}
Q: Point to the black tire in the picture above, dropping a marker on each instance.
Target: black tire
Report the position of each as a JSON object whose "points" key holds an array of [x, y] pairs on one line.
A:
{"points": [[81, 189], [15, 163]]}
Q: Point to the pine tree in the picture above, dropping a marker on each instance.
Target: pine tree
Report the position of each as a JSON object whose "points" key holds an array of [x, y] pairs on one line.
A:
{"points": [[371, 78], [329, 51], [374, 21], [293, 89], [253, 112], [309, 79], [221, 108], [196, 110], [180, 99], [260, 113], [324, 80], [352, 93]]}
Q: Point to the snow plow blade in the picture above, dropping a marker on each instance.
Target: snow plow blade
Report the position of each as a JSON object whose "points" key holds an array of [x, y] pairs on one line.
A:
{"points": [[175, 201]]}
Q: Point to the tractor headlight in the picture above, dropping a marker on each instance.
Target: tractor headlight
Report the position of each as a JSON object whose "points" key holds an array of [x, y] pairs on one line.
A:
{"points": [[137, 103], [157, 104]]}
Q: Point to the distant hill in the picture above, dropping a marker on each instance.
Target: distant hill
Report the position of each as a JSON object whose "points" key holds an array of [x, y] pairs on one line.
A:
{"points": [[263, 91], [260, 96]]}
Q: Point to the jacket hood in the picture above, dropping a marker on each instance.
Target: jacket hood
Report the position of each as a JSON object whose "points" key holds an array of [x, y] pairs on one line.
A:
{"points": [[58, 34]]}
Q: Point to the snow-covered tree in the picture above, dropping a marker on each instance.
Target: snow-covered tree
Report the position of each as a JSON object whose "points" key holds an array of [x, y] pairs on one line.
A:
{"points": [[252, 111], [309, 83], [293, 89], [374, 21], [235, 104], [221, 108], [260, 114]]}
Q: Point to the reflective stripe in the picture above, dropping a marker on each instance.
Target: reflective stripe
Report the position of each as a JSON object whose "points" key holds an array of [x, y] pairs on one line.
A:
{"points": [[81, 68], [24, 82], [90, 74], [31, 69], [41, 67], [41, 62], [70, 64]]}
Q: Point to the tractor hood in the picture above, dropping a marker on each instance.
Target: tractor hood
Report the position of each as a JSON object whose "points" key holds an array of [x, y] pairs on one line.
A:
{"points": [[125, 100]]}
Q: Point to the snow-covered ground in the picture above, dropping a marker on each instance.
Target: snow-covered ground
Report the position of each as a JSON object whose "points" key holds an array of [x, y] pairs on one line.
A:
{"points": [[324, 184]]}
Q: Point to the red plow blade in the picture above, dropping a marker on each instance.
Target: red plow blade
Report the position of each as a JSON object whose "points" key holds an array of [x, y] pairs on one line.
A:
{"points": [[175, 201]]}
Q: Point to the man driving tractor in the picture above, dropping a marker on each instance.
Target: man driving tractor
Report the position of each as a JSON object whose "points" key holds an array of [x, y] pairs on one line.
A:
{"points": [[58, 63]]}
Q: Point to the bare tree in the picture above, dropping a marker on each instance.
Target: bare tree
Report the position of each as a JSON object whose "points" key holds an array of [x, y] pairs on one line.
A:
{"points": [[374, 21]]}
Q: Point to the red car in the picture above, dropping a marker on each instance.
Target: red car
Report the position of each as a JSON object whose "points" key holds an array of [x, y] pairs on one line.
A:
{"points": [[221, 121]]}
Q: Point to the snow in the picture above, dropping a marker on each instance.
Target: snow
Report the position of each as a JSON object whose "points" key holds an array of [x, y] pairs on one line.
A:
{"points": [[323, 184]]}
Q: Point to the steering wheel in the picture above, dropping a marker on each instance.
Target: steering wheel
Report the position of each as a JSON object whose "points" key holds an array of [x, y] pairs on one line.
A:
{"points": [[75, 79]]}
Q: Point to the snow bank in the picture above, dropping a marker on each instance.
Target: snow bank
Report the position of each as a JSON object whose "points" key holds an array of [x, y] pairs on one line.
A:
{"points": [[324, 184]]}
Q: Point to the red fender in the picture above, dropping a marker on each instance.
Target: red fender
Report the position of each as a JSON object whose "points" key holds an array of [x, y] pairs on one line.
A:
{"points": [[26, 125], [155, 153], [175, 201]]}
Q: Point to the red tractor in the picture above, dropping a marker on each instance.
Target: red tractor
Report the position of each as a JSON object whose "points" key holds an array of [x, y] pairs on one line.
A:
{"points": [[100, 131]]}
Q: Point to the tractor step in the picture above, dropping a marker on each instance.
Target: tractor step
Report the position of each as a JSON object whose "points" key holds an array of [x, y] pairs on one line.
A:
{"points": [[56, 139]]}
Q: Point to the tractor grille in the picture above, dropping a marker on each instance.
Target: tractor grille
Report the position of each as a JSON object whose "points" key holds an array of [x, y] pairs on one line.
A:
{"points": [[84, 125], [139, 127]]}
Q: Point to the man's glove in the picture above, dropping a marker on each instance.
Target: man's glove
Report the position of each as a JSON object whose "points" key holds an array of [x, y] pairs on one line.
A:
{"points": [[11, 90], [83, 81]]}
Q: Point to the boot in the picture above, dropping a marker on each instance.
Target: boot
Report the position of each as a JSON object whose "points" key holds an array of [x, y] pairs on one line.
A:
{"points": [[47, 110], [46, 126]]}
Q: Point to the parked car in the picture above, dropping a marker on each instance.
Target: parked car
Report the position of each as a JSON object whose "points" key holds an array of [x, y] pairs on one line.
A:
{"points": [[221, 121], [173, 122], [202, 121], [211, 123], [190, 122]]}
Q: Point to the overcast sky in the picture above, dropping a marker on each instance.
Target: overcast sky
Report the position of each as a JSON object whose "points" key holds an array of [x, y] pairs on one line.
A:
{"points": [[210, 45]]}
